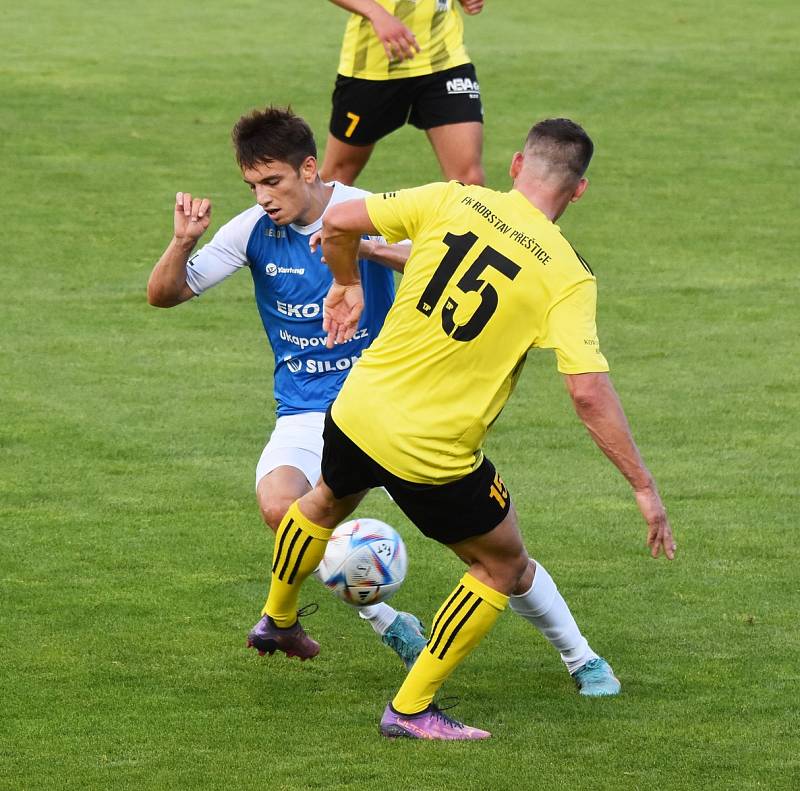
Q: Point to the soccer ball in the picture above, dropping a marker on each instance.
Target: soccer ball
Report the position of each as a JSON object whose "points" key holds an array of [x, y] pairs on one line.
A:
{"points": [[365, 562]]}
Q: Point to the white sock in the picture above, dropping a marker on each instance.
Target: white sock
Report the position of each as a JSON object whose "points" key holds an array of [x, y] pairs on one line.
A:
{"points": [[545, 608], [380, 616]]}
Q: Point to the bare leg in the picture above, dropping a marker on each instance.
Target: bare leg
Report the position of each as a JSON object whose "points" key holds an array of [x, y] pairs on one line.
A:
{"points": [[497, 558], [400, 631], [497, 561], [300, 542], [458, 148], [277, 490], [321, 507], [343, 162]]}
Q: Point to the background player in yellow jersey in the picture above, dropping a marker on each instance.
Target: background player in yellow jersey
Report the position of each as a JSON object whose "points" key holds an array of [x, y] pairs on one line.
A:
{"points": [[489, 277], [404, 61]]}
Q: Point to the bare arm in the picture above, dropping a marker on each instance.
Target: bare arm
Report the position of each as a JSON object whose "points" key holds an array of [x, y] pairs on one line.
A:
{"points": [[342, 227], [398, 41], [393, 256], [167, 285], [598, 406]]}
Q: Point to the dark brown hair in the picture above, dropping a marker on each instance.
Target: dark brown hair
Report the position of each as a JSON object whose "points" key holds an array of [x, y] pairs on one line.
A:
{"points": [[274, 133], [563, 144]]}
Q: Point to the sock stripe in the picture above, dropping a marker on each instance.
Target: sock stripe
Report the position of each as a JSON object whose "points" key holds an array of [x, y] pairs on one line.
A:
{"points": [[299, 559], [279, 550], [285, 566], [444, 608], [440, 632], [478, 601]]}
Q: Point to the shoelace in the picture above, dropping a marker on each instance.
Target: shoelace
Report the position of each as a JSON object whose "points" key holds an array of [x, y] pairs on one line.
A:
{"points": [[439, 711], [592, 668], [308, 609]]}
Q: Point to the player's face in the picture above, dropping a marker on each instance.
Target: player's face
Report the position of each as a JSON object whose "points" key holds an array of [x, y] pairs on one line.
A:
{"points": [[283, 192]]}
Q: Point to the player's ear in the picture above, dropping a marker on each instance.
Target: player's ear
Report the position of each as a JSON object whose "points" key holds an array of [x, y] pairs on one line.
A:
{"points": [[583, 185], [517, 162], [308, 170]]}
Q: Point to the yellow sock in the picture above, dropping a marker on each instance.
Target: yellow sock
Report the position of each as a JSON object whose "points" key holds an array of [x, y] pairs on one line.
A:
{"points": [[299, 547], [462, 621]]}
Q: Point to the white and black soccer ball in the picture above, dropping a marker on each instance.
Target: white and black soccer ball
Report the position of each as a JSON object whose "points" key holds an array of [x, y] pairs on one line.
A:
{"points": [[365, 562]]}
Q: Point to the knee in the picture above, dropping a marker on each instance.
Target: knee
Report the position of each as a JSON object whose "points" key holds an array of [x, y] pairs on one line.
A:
{"points": [[472, 174], [509, 573], [503, 574], [518, 568], [273, 511], [341, 171]]}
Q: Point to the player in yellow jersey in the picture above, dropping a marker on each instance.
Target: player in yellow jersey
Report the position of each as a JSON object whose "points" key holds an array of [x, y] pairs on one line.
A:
{"points": [[405, 61], [489, 277]]}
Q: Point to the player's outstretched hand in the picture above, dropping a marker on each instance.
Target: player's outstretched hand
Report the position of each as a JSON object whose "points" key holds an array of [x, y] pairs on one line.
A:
{"points": [[341, 310], [659, 532], [398, 41], [472, 6], [192, 216]]}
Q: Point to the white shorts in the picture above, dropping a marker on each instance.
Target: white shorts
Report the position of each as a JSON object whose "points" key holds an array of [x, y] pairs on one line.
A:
{"points": [[296, 441]]}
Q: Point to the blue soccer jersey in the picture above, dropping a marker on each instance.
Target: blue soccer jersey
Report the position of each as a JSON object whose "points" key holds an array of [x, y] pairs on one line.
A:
{"points": [[290, 283]]}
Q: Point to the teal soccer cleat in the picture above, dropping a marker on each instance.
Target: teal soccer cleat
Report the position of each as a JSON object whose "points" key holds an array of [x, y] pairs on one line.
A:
{"points": [[405, 637], [596, 679]]}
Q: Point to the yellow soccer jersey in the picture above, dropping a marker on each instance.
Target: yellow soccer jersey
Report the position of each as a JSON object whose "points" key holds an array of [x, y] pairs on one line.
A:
{"points": [[437, 26], [489, 277]]}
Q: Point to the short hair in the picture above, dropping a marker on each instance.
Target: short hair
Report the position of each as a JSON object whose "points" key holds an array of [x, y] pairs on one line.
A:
{"points": [[562, 145], [272, 134]]}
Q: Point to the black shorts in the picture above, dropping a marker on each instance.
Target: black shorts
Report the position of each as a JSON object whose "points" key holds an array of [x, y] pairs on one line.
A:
{"points": [[448, 512], [367, 110]]}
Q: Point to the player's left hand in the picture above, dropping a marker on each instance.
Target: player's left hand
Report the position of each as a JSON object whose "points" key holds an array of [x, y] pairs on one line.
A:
{"points": [[472, 6], [659, 532], [341, 310]]}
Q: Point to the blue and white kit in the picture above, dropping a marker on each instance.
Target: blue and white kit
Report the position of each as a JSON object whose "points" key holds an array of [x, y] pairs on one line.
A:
{"points": [[290, 283]]}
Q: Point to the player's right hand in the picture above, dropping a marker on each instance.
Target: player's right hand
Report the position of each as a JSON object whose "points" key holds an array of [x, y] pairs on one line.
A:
{"points": [[192, 216], [341, 310], [398, 41]]}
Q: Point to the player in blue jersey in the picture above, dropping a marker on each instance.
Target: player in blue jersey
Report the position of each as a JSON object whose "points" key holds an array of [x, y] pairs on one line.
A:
{"points": [[276, 152]]}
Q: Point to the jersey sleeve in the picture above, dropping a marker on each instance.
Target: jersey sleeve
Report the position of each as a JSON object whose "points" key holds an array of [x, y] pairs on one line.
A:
{"points": [[399, 215], [571, 330], [223, 255]]}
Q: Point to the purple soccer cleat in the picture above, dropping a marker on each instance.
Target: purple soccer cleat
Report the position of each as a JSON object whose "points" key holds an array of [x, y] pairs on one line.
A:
{"points": [[432, 723], [267, 638]]}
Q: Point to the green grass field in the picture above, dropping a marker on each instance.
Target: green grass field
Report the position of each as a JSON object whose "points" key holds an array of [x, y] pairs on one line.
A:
{"points": [[132, 556]]}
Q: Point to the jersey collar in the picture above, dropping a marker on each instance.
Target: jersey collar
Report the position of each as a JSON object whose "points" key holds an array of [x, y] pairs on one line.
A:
{"points": [[307, 230], [523, 201]]}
